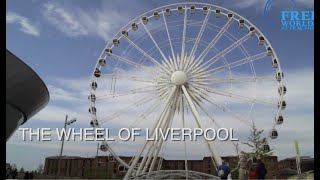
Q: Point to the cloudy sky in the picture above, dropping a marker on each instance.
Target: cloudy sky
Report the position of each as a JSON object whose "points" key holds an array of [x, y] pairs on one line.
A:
{"points": [[62, 41]]}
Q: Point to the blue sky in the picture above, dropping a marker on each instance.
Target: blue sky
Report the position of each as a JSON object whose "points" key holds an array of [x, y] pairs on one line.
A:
{"points": [[61, 41]]}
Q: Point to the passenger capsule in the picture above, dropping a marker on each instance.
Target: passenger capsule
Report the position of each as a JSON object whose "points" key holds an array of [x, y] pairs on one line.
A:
{"points": [[205, 10], [103, 148], [167, 12], [108, 51], [252, 30], [266, 148], [282, 105], [92, 97], [279, 120], [111, 158], [193, 9], [274, 134], [241, 23], [97, 73], [282, 90], [92, 110], [218, 12], [134, 26], [102, 62], [125, 33], [180, 9], [260, 40], [156, 15], [274, 63], [279, 76], [94, 123], [94, 85], [115, 42], [269, 51], [145, 20]]}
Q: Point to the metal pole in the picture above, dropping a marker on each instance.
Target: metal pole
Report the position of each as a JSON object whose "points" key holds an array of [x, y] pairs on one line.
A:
{"points": [[59, 165], [97, 149]]}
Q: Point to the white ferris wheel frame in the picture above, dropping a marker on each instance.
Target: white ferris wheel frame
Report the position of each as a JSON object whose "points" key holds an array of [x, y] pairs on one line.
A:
{"points": [[140, 171]]}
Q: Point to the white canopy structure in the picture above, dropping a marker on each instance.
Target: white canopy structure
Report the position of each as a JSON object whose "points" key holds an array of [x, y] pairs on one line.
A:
{"points": [[26, 93]]}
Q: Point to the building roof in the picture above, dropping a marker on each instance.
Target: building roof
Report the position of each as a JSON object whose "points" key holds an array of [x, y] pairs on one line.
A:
{"points": [[287, 171], [64, 157], [25, 90], [302, 158]]}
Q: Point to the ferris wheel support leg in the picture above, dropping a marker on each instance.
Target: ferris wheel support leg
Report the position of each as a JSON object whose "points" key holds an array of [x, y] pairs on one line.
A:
{"points": [[136, 159], [158, 145], [216, 156], [156, 153], [148, 156], [166, 126], [150, 148]]}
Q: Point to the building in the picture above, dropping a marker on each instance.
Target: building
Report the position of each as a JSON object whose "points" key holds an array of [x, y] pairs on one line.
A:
{"points": [[26, 93], [306, 163], [286, 173], [105, 167]]}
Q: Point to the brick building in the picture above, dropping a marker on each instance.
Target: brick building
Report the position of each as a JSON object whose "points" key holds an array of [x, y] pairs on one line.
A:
{"points": [[104, 167]]}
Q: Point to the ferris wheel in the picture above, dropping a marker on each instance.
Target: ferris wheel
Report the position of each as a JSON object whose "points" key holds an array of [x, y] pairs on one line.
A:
{"points": [[187, 65]]}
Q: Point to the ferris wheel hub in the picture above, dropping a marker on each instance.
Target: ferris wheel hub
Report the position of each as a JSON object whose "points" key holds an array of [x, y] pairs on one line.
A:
{"points": [[179, 78]]}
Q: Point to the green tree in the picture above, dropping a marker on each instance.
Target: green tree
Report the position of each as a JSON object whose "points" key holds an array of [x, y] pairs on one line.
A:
{"points": [[21, 170], [256, 142], [40, 168]]}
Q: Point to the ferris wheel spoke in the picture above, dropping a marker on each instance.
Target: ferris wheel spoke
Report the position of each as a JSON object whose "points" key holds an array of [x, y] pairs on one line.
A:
{"points": [[226, 109], [127, 93], [204, 24], [146, 54], [213, 60], [211, 44], [168, 34], [215, 122], [234, 64], [155, 43], [130, 62], [128, 108], [236, 96], [140, 119], [123, 77], [184, 31], [217, 158], [209, 81]]}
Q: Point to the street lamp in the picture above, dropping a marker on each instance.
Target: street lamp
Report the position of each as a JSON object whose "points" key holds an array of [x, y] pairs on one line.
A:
{"points": [[65, 124]]}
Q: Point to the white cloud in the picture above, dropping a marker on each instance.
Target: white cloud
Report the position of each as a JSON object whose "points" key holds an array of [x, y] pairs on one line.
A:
{"points": [[60, 94], [298, 117], [63, 20], [75, 22], [24, 22], [248, 3]]}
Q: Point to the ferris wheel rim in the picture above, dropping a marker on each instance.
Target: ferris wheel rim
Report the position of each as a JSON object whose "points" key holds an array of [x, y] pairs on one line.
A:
{"points": [[267, 44]]}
